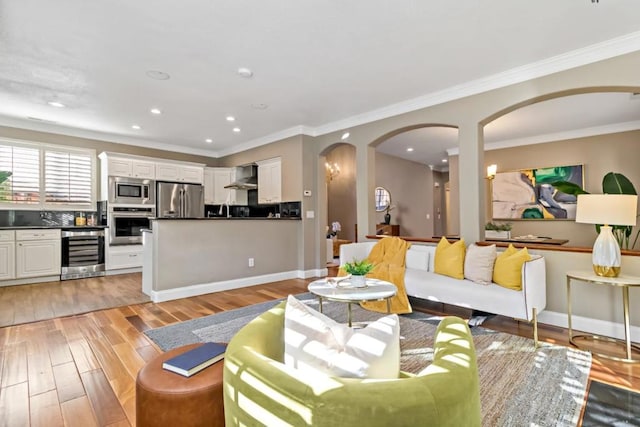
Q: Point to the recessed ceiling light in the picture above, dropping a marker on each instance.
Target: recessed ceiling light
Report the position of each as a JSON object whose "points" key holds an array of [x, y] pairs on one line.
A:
{"points": [[56, 104], [410, 149], [208, 140], [345, 136], [136, 127], [230, 118], [236, 130], [245, 72], [259, 106], [158, 75], [444, 160], [156, 111]]}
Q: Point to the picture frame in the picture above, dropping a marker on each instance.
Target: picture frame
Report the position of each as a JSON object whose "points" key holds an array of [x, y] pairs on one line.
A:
{"points": [[527, 194]]}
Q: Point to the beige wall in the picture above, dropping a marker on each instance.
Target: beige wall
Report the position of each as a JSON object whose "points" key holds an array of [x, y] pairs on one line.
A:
{"points": [[440, 190], [341, 191], [411, 187], [600, 154], [409, 183]]}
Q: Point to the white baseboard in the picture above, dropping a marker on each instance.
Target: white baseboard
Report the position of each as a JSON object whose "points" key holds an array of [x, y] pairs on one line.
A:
{"points": [[30, 280], [318, 272], [586, 324], [207, 288]]}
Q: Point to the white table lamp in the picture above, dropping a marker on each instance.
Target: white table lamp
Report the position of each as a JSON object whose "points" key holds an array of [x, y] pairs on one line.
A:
{"points": [[607, 209]]}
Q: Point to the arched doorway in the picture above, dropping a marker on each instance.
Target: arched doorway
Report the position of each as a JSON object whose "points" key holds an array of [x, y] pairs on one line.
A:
{"points": [[412, 164]]}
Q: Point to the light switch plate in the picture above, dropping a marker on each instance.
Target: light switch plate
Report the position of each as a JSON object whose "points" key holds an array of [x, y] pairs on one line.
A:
{"points": [[311, 214]]}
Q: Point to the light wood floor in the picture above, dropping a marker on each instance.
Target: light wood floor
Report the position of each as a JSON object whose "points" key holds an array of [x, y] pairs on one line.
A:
{"points": [[81, 370], [40, 301]]}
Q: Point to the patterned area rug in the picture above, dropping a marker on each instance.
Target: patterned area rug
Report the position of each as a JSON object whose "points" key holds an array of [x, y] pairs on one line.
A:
{"points": [[519, 385]]}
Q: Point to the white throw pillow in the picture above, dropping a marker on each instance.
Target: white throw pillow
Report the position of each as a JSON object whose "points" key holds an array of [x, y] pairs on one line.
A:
{"points": [[417, 258], [478, 264], [315, 342]]}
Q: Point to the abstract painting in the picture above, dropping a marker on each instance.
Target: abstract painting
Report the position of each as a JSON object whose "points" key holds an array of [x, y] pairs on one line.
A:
{"points": [[528, 193]]}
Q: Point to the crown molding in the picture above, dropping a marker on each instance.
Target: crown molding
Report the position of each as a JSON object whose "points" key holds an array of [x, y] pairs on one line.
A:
{"points": [[267, 139], [557, 136], [100, 136]]}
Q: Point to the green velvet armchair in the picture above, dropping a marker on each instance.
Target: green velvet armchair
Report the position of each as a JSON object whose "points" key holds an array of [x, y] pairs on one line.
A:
{"points": [[259, 390]]}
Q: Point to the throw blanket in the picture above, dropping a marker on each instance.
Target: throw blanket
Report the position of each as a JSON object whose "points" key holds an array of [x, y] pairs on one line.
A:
{"points": [[388, 258]]}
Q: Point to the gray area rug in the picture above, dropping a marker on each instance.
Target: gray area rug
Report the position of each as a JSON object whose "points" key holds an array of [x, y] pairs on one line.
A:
{"points": [[519, 385]]}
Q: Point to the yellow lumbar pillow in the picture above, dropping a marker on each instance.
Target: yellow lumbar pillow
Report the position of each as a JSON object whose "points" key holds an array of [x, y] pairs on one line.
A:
{"points": [[450, 258], [507, 270]]}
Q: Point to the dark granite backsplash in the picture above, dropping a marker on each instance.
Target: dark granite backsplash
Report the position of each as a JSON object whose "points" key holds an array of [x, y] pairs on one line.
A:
{"points": [[16, 218]]}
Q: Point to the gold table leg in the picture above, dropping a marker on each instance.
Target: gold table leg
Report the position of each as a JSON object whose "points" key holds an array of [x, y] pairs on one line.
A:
{"points": [[569, 309], [349, 313], [320, 303], [625, 303]]}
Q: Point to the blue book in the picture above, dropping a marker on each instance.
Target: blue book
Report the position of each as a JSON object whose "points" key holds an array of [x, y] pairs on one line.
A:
{"points": [[195, 360]]}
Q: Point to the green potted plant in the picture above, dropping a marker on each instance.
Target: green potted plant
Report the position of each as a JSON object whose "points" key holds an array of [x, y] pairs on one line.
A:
{"points": [[494, 230], [358, 269], [612, 183]]}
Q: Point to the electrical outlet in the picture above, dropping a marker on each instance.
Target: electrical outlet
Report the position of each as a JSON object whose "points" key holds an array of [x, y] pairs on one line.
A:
{"points": [[251, 262]]}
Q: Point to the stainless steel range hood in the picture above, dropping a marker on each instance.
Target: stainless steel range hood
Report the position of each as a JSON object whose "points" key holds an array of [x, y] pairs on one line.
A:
{"points": [[249, 181]]}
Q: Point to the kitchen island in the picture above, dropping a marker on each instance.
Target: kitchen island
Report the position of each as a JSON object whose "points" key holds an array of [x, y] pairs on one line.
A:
{"points": [[187, 257]]}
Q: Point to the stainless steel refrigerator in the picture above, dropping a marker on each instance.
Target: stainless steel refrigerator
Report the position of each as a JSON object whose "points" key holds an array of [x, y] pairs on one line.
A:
{"points": [[179, 200]]}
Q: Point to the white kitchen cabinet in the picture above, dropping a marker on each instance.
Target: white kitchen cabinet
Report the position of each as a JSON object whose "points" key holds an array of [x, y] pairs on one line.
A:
{"points": [[131, 168], [179, 173], [7, 255], [208, 183], [270, 181], [37, 253], [221, 177], [123, 256]]}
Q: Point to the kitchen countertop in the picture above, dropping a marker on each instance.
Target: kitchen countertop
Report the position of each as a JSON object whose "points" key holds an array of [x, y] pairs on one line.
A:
{"points": [[219, 218], [66, 227]]}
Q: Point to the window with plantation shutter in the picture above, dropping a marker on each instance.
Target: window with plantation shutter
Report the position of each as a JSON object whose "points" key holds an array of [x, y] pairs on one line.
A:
{"points": [[67, 178], [43, 176], [21, 166]]}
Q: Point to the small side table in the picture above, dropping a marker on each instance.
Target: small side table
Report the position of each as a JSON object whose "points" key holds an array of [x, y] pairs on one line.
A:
{"points": [[376, 290], [624, 282]]}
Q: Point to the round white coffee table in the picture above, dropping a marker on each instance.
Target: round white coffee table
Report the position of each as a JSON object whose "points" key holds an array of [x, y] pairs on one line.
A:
{"points": [[376, 290]]}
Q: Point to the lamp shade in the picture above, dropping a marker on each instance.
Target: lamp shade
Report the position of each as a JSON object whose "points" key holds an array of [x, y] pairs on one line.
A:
{"points": [[610, 209], [607, 209]]}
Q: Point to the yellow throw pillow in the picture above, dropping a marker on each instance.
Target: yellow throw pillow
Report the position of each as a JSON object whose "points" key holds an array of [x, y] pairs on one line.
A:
{"points": [[449, 259], [507, 271]]}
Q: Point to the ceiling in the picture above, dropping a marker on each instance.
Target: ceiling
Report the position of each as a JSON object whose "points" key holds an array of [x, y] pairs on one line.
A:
{"points": [[318, 67]]}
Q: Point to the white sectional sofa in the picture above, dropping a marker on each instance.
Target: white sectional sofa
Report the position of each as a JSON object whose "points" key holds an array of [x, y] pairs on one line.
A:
{"points": [[422, 282]]}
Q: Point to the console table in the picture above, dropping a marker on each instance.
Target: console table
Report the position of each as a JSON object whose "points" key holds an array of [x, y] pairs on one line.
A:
{"points": [[624, 282], [388, 229]]}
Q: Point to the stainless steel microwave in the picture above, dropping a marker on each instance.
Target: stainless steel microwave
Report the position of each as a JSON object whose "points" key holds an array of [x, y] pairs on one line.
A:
{"points": [[131, 191]]}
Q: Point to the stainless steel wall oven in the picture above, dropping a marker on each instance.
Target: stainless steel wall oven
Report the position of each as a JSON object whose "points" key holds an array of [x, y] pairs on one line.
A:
{"points": [[82, 253], [126, 224]]}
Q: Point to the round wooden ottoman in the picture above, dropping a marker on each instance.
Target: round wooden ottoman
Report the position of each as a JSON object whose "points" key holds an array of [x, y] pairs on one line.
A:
{"points": [[164, 398]]}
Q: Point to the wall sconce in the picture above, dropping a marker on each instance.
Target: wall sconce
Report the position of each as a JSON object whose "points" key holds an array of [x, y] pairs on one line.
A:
{"points": [[491, 171], [333, 170]]}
